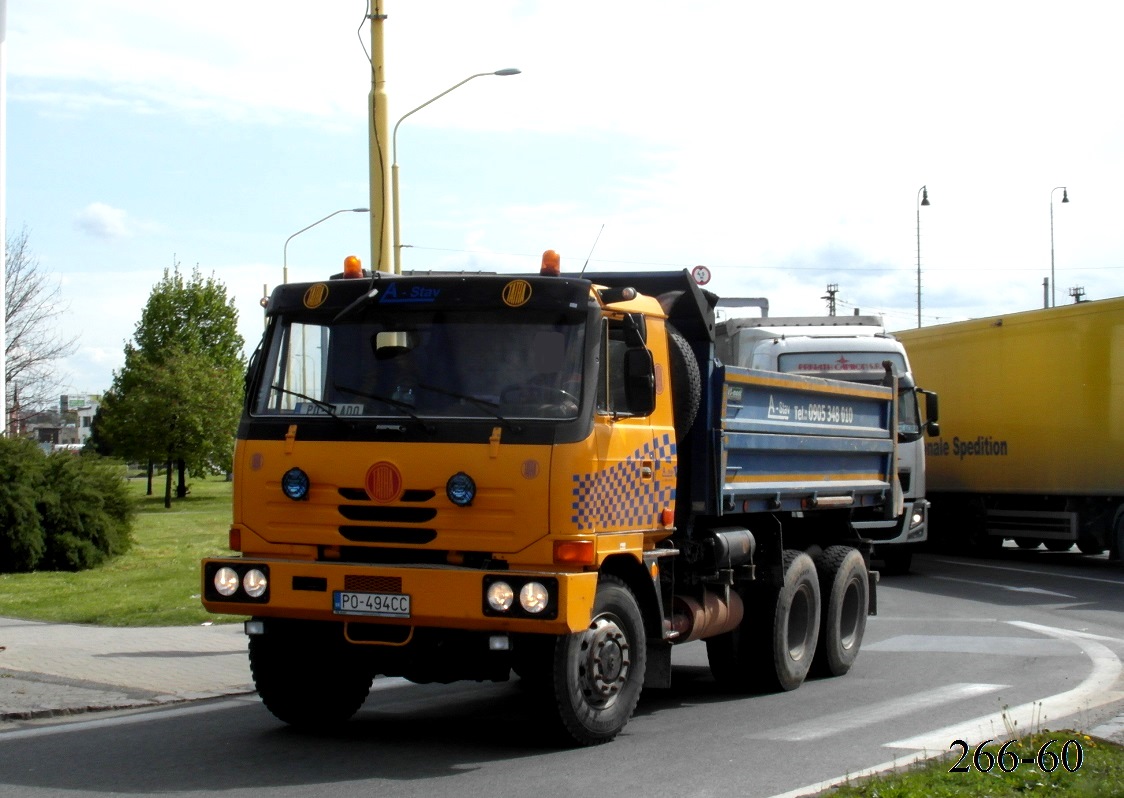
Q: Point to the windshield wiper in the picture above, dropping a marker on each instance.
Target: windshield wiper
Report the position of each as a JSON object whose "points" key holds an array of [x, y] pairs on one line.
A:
{"points": [[405, 407], [346, 313], [491, 408], [325, 406]]}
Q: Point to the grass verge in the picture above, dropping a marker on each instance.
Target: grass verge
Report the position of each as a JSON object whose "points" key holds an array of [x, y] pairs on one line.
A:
{"points": [[156, 583], [1059, 764]]}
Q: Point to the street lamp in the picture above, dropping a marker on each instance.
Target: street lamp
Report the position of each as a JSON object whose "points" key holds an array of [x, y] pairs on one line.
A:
{"points": [[285, 260], [1065, 198], [394, 154], [922, 199]]}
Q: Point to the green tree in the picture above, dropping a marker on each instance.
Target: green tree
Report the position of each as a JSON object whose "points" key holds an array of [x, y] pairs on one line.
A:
{"points": [[178, 396]]}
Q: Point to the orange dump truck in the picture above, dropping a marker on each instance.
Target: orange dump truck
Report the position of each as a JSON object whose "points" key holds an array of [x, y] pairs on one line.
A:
{"points": [[451, 476]]}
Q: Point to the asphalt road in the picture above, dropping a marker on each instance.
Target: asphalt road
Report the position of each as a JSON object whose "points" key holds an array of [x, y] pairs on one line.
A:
{"points": [[961, 649]]}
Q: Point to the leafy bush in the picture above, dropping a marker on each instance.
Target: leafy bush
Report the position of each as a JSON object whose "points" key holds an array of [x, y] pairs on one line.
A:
{"points": [[86, 513], [59, 511], [22, 541]]}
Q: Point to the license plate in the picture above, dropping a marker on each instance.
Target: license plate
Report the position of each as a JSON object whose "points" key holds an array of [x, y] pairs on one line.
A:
{"points": [[385, 605]]}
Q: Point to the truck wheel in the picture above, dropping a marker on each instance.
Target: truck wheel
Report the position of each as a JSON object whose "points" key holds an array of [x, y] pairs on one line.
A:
{"points": [[308, 679], [599, 672], [773, 647], [1027, 543], [1059, 545], [845, 593], [686, 382]]}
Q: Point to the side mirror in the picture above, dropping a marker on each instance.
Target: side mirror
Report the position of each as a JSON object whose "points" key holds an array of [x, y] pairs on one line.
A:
{"points": [[932, 413], [639, 381]]}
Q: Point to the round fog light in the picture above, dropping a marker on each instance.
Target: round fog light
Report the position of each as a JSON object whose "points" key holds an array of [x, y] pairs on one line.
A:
{"points": [[461, 489], [294, 484], [254, 583], [226, 581], [533, 597], [500, 596]]}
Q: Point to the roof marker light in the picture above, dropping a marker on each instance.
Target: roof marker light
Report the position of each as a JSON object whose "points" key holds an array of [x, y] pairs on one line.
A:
{"points": [[352, 267], [551, 264]]}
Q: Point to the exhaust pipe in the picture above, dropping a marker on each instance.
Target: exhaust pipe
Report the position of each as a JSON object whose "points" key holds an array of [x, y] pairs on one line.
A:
{"points": [[691, 620]]}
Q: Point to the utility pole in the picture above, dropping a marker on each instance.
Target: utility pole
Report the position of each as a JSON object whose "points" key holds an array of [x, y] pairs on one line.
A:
{"points": [[379, 145]]}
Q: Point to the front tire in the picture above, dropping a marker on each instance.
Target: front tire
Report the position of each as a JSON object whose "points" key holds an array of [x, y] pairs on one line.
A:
{"points": [[307, 676], [599, 672]]}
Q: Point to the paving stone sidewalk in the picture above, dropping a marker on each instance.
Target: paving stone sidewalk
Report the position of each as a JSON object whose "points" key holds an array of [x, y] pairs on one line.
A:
{"points": [[62, 669]]}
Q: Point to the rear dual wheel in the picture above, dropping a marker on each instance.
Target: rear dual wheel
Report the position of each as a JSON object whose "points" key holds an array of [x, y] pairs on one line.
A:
{"points": [[845, 590], [772, 650]]}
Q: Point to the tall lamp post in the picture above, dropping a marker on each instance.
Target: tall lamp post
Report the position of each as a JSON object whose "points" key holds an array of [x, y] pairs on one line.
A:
{"points": [[922, 199], [1065, 198], [285, 261], [395, 226]]}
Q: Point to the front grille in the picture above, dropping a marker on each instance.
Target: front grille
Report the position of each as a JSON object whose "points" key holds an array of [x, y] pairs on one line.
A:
{"points": [[388, 534], [373, 584]]}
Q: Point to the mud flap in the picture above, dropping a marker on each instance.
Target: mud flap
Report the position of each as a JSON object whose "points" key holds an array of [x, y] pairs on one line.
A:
{"points": [[658, 673]]}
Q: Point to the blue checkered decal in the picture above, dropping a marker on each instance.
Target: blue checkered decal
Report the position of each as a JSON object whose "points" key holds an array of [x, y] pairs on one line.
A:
{"points": [[618, 499]]}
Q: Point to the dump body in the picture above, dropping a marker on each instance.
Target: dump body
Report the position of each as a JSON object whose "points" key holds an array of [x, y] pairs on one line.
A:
{"points": [[456, 476], [1031, 424], [857, 349]]}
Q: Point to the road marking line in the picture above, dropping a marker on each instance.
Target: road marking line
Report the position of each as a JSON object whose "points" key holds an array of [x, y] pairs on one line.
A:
{"points": [[838, 722], [974, 644], [1091, 693], [1012, 588], [1095, 691], [1052, 574]]}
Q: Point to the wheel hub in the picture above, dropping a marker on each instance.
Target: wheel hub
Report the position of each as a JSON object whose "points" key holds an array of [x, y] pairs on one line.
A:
{"points": [[606, 661]]}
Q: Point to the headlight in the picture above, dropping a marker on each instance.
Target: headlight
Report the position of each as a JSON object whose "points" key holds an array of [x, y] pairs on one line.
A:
{"points": [[254, 583], [534, 597], [500, 596], [461, 489], [295, 484], [226, 581]]}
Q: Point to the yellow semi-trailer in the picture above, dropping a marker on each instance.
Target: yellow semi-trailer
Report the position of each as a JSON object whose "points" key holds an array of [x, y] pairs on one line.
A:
{"points": [[1032, 426]]}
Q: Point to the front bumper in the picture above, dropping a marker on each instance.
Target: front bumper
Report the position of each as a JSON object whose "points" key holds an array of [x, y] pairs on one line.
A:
{"points": [[438, 596]]}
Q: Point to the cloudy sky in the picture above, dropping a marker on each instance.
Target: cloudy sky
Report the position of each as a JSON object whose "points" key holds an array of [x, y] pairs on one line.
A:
{"points": [[782, 145]]}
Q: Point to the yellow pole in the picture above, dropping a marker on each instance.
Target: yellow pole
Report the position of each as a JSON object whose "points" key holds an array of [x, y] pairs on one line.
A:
{"points": [[377, 121]]}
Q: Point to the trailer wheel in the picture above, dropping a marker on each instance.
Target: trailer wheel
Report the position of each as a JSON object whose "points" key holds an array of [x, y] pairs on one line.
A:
{"points": [[1059, 545], [845, 593], [772, 651], [307, 678], [599, 672], [1028, 543]]}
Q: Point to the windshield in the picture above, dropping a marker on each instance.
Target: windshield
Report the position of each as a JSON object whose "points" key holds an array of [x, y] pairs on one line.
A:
{"points": [[858, 367], [451, 364]]}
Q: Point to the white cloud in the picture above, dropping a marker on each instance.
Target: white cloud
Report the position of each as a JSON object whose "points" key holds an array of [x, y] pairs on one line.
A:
{"points": [[104, 221]]}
